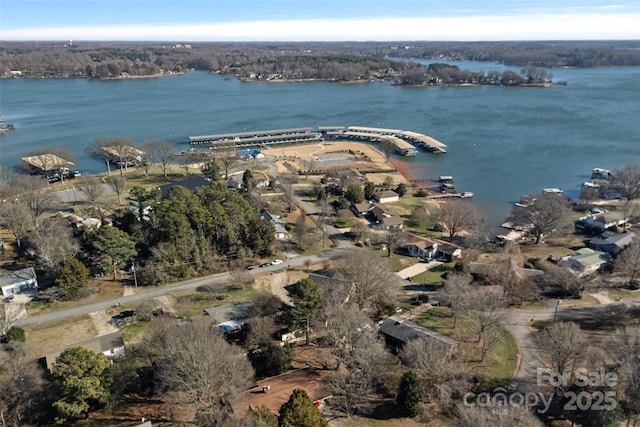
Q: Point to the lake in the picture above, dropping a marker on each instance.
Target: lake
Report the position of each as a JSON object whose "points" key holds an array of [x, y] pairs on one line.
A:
{"points": [[502, 142]]}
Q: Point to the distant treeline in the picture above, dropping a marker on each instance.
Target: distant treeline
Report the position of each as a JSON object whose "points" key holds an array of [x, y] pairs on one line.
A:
{"points": [[342, 62]]}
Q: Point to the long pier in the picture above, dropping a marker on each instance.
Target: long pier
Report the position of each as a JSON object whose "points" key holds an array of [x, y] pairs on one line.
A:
{"points": [[404, 142]]}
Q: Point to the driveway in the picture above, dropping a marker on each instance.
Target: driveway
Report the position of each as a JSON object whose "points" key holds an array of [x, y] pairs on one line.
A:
{"points": [[416, 269]]}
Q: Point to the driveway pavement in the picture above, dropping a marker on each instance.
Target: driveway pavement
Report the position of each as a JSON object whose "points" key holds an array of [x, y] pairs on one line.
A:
{"points": [[418, 268]]}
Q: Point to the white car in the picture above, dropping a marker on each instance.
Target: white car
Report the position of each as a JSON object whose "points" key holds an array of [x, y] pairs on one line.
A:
{"points": [[276, 262]]}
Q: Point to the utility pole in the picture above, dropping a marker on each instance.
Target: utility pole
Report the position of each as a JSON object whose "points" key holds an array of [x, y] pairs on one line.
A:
{"points": [[555, 315], [135, 277]]}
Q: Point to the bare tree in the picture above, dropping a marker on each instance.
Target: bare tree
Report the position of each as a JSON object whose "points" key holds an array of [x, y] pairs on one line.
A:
{"points": [[346, 330], [286, 184], [627, 350], [561, 347], [258, 329], [626, 181], [628, 261], [53, 244], [21, 382], [200, 364], [228, 161], [456, 287], [457, 216], [160, 152], [97, 149], [92, 187], [373, 281], [437, 364], [10, 313], [7, 173], [118, 185], [548, 213], [16, 217], [420, 216], [387, 148], [506, 271], [31, 190], [501, 416], [392, 239], [485, 314]]}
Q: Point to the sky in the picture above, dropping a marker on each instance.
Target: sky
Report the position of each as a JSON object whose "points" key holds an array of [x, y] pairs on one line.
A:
{"points": [[319, 20]]}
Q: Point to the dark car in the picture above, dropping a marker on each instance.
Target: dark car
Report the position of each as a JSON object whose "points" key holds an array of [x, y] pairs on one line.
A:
{"points": [[267, 264], [250, 267]]}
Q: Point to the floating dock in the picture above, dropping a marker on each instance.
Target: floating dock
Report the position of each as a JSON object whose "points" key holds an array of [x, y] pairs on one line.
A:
{"points": [[404, 142]]}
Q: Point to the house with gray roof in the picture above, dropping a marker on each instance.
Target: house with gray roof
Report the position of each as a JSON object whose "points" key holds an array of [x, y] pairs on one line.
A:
{"points": [[611, 242], [278, 223], [111, 345], [190, 184], [398, 332], [586, 261], [22, 281]]}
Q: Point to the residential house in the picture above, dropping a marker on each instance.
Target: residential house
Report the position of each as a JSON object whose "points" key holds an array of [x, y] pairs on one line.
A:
{"points": [[281, 232], [334, 286], [602, 221], [398, 332], [251, 154], [391, 223], [235, 182], [585, 261], [448, 251], [229, 317], [387, 196], [22, 281], [190, 184], [261, 183], [378, 212], [111, 345], [361, 209], [611, 242], [428, 249]]}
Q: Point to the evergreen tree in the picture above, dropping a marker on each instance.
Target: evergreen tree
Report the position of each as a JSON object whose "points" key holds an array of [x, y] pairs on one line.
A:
{"points": [[307, 297], [81, 381], [271, 359], [74, 278], [299, 411], [409, 395]]}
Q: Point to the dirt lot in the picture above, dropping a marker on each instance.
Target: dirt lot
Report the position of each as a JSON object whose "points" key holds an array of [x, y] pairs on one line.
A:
{"points": [[326, 156], [310, 380]]}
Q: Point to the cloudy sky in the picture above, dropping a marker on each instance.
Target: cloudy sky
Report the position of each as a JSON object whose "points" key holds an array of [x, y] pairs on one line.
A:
{"points": [[318, 20]]}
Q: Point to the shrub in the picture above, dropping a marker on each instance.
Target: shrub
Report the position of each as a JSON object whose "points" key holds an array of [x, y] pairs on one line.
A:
{"points": [[16, 334]]}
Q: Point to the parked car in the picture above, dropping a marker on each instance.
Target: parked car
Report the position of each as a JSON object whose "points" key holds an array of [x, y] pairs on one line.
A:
{"points": [[276, 262], [267, 264], [250, 267]]}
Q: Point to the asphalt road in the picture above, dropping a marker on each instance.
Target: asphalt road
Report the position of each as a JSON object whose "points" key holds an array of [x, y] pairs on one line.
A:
{"points": [[147, 293]]}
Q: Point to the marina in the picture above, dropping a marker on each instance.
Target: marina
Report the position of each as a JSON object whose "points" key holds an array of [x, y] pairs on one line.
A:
{"points": [[403, 142]]}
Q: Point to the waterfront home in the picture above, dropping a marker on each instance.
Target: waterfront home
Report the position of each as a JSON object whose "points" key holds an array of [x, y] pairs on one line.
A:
{"points": [[602, 221], [611, 242], [419, 247], [387, 196], [190, 184], [585, 261], [390, 223]]}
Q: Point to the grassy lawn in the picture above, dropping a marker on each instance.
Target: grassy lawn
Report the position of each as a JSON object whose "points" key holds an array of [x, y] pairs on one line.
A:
{"points": [[433, 276], [498, 367], [621, 294], [193, 303], [399, 262], [134, 332], [53, 335]]}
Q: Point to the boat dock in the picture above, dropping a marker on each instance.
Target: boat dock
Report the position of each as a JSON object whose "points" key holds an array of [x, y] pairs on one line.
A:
{"points": [[404, 142]]}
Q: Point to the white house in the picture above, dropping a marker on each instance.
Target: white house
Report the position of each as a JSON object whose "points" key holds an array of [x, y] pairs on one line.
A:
{"points": [[278, 224], [602, 220], [111, 345], [386, 196], [19, 282]]}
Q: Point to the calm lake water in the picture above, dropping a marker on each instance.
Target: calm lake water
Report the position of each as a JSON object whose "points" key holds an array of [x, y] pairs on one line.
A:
{"points": [[503, 142]]}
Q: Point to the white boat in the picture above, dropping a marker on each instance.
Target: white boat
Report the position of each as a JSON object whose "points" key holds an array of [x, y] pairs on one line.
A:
{"points": [[552, 190], [466, 195]]}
